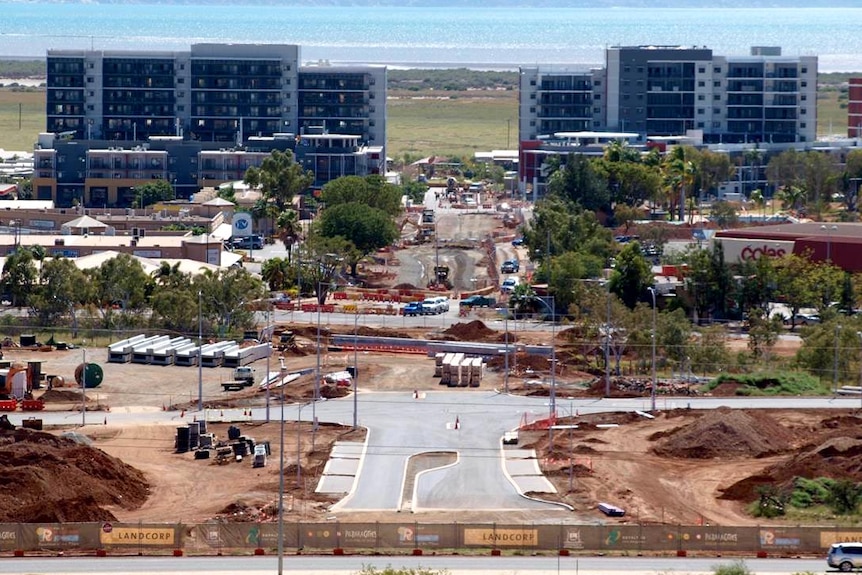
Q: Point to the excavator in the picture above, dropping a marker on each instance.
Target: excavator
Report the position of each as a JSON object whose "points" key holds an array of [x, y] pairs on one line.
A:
{"points": [[15, 388], [441, 279]]}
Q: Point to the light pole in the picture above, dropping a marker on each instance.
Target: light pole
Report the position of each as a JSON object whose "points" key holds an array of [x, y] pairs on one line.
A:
{"points": [[282, 375], [653, 390], [84, 388], [200, 352], [355, 368], [266, 378], [829, 230]]}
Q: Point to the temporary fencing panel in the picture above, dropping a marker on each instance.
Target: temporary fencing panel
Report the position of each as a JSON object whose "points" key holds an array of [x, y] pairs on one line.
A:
{"points": [[213, 538]]}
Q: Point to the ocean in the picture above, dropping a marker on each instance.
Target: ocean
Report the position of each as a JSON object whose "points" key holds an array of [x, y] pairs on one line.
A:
{"points": [[417, 37]]}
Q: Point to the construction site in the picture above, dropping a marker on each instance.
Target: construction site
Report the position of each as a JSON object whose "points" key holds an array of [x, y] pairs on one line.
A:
{"points": [[124, 457]]}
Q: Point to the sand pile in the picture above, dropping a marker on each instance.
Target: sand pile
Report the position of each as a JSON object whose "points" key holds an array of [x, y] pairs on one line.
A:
{"points": [[471, 331], [54, 479], [727, 432]]}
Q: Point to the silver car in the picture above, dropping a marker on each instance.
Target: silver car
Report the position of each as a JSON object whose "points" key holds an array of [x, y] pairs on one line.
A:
{"points": [[845, 556]]}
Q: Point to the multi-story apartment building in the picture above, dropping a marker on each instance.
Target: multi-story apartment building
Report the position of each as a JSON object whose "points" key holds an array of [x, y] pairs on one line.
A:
{"points": [[187, 116], [854, 108], [666, 91], [652, 91]]}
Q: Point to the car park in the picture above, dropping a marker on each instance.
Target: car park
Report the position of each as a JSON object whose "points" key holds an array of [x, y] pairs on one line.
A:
{"points": [[478, 301], [845, 556]]}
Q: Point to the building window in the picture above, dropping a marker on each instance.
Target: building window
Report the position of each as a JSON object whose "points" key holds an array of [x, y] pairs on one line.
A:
{"points": [[640, 69], [597, 124], [597, 110], [639, 110], [181, 94], [640, 82], [597, 96], [627, 69], [716, 97], [90, 107], [802, 125], [532, 82], [716, 111], [701, 97], [532, 96], [532, 123], [181, 80], [701, 111], [802, 111], [803, 97], [803, 84], [804, 69], [89, 79], [532, 109], [625, 96], [597, 83], [701, 84], [716, 84], [716, 70], [91, 93], [701, 70], [700, 125], [181, 108], [716, 124]]}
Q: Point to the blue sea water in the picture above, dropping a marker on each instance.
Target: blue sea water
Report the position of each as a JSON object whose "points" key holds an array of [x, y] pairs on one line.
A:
{"points": [[498, 38]]}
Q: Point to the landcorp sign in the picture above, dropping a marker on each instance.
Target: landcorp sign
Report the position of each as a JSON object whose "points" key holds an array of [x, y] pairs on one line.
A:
{"points": [[746, 250]]}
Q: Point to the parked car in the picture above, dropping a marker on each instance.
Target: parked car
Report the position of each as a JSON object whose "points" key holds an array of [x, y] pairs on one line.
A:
{"points": [[248, 242], [437, 304], [518, 242], [845, 556], [415, 308], [509, 284], [510, 267], [478, 301]]}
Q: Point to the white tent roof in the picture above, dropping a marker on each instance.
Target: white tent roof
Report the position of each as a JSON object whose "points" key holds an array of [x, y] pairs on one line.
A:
{"points": [[84, 222]]}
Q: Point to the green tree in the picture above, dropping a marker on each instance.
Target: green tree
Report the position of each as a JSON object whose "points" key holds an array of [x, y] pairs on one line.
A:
{"points": [[323, 259], [279, 178], [19, 276], [373, 191], [415, 191], [62, 287], [580, 183], [708, 351], [226, 298], [153, 192], [119, 285], [631, 276], [797, 280], [763, 332], [673, 335], [844, 496], [289, 230], [276, 273], [367, 228], [724, 214]]}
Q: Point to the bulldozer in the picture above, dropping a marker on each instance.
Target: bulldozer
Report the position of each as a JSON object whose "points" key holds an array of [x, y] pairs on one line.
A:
{"points": [[286, 341], [441, 278]]}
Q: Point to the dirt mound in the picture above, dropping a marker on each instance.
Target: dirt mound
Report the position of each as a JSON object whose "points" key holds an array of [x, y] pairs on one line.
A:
{"points": [[727, 432], [837, 457], [406, 287], [382, 332], [472, 331], [54, 479], [62, 396]]}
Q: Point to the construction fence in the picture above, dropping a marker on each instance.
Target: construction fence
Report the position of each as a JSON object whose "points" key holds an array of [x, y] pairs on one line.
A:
{"points": [[214, 538]]}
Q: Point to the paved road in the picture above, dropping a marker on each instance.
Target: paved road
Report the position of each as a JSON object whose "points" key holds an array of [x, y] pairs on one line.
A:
{"points": [[400, 426], [344, 565], [349, 565]]}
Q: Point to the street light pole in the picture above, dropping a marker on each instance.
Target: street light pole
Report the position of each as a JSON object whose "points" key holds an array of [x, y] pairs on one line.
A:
{"points": [[200, 352], [266, 379], [282, 375], [355, 368], [653, 391]]}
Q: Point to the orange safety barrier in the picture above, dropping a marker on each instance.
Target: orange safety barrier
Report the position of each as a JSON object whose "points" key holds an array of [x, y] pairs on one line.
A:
{"points": [[32, 405], [339, 295], [8, 405]]}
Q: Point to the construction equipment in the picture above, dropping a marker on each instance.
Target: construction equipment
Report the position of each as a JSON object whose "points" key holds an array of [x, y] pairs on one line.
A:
{"points": [[441, 278], [287, 340]]}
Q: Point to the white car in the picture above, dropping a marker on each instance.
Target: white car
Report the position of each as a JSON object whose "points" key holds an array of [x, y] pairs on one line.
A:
{"points": [[509, 284]]}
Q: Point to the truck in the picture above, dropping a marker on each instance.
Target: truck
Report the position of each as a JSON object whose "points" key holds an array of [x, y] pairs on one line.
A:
{"points": [[243, 376], [477, 301]]}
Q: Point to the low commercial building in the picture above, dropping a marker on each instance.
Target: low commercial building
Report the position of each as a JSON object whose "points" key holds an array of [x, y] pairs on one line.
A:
{"points": [[839, 243]]}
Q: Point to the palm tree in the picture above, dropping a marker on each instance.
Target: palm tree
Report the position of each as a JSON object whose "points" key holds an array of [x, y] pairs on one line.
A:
{"points": [[792, 196], [289, 230]]}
